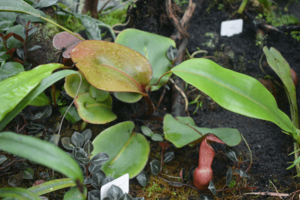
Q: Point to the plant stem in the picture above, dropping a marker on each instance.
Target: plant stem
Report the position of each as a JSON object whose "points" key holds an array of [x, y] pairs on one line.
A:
{"points": [[242, 6], [150, 105], [59, 26]]}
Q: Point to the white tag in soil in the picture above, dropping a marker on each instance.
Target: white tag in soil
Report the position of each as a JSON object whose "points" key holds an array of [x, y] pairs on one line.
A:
{"points": [[122, 182], [232, 27]]}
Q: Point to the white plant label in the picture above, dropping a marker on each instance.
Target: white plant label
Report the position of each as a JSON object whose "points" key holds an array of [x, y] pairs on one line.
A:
{"points": [[122, 182], [232, 27]]}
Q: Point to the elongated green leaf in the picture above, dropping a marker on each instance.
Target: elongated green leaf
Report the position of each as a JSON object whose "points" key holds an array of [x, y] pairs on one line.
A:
{"points": [[234, 91], [18, 6], [94, 112], [112, 67], [51, 186], [183, 130], [74, 194], [283, 70], [33, 94], [18, 193], [128, 151], [41, 100], [14, 89], [72, 114], [41, 152], [153, 47]]}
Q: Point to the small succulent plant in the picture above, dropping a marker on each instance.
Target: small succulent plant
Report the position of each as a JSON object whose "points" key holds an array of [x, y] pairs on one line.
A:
{"points": [[82, 148], [116, 193]]}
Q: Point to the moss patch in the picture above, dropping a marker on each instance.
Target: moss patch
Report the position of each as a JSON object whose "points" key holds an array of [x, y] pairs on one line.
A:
{"points": [[115, 17]]}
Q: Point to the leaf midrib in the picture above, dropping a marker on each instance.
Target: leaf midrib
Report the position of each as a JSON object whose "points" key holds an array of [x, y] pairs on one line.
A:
{"points": [[121, 151]]}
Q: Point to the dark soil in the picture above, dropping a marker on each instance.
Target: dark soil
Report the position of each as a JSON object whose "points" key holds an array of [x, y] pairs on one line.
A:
{"points": [[269, 146]]}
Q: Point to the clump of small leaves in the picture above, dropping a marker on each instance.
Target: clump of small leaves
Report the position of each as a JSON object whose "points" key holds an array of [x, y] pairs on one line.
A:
{"points": [[82, 148], [28, 30], [25, 171], [116, 193], [154, 136]]}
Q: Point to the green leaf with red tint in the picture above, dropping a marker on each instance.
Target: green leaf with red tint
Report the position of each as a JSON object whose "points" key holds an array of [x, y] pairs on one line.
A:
{"points": [[154, 48], [112, 67]]}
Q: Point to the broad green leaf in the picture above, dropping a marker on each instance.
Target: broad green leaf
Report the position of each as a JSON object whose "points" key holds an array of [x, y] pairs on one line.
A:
{"points": [[18, 193], [72, 83], [66, 142], [40, 100], [265, 3], [283, 70], [30, 2], [128, 97], [94, 112], [114, 192], [44, 153], [143, 179], [13, 42], [157, 137], [3, 55], [18, 6], [91, 28], [74, 194], [128, 151], [183, 130], [51, 186], [45, 3], [97, 94], [32, 18], [112, 67], [28, 173], [14, 89], [72, 114], [147, 131], [153, 47], [155, 167], [7, 20], [234, 91], [10, 69], [34, 93]]}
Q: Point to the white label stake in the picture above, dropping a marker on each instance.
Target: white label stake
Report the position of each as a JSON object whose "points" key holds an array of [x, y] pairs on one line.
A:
{"points": [[232, 27]]}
